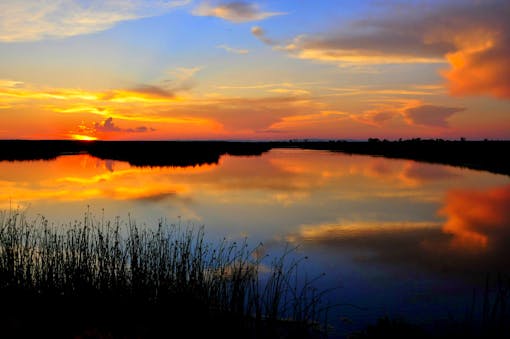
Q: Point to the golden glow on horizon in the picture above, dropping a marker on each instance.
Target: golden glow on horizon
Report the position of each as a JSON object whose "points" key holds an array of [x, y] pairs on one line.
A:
{"points": [[82, 137], [152, 113]]}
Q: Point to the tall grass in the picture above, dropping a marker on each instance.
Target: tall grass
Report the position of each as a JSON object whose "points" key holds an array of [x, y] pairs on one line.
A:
{"points": [[168, 265], [490, 318]]}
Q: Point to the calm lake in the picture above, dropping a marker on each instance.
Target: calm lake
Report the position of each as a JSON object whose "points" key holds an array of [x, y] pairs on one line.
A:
{"points": [[393, 237]]}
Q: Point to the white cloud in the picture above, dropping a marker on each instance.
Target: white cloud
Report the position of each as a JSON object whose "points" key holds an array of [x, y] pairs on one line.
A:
{"points": [[31, 20], [233, 49]]}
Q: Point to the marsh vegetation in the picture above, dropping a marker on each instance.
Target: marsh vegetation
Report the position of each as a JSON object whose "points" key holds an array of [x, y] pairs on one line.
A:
{"points": [[112, 279]]}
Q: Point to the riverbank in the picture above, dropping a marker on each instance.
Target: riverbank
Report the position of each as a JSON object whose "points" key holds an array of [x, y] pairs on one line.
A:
{"points": [[488, 155]]}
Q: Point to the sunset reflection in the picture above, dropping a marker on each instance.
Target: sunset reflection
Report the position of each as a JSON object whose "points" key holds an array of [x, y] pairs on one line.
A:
{"points": [[473, 236], [477, 219], [285, 177], [317, 197], [83, 177]]}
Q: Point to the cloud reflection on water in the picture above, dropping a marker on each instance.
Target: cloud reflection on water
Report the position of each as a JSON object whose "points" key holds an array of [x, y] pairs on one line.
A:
{"points": [[472, 239], [398, 212]]}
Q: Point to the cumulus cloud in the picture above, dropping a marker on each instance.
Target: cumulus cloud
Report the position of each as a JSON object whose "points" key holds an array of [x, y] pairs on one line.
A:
{"points": [[429, 115], [108, 126], [30, 20], [234, 11], [482, 71], [472, 36]]}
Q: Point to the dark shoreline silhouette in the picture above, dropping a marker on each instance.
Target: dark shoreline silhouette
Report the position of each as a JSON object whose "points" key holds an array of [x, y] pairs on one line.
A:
{"points": [[136, 153], [172, 153], [488, 155]]}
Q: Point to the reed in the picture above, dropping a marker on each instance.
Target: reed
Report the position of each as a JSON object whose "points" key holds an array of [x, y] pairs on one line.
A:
{"points": [[103, 264]]}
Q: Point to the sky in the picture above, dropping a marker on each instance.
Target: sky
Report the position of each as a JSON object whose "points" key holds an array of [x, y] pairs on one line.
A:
{"points": [[254, 70]]}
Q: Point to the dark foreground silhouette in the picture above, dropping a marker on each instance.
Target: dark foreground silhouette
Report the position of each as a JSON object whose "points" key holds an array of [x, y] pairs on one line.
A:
{"points": [[480, 155], [128, 317], [96, 279]]}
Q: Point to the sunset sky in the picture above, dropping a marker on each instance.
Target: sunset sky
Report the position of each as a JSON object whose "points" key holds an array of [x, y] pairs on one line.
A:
{"points": [[254, 70]]}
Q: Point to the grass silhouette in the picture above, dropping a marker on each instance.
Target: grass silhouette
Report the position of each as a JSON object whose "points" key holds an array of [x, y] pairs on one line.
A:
{"points": [[97, 279]]}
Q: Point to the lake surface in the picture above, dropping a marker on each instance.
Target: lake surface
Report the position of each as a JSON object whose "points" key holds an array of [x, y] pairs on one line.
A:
{"points": [[394, 237]]}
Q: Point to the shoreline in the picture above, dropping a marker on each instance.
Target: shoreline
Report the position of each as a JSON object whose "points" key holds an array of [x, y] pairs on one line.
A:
{"points": [[487, 155]]}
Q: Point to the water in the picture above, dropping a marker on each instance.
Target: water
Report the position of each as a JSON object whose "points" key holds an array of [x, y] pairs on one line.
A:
{"points": [[394, 237]]}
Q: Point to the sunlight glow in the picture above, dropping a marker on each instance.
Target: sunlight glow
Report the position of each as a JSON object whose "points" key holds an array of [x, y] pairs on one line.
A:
{"points": [[82, 137]]}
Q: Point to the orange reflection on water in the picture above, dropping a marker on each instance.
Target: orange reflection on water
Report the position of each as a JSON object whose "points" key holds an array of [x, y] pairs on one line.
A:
{"points": [[477, 218], [356, 229], [83, 177], [359, 176]]}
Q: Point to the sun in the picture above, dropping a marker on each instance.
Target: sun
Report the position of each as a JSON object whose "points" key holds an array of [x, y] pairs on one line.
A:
{"points": [[82, 137]]}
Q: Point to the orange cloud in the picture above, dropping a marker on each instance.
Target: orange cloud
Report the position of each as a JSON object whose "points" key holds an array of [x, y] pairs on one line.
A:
{"points": [[307, 119], [158, 110], [472, 36], [481, 70], [377, 116]]}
